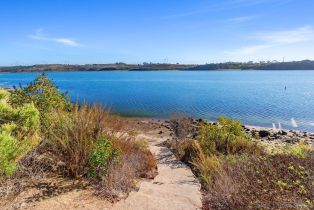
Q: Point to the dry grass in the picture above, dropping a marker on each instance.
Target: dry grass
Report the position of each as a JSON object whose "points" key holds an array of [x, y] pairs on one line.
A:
{"points": [[31, 170], [74, 136], [183, 127], [278, 181], [136, 162], [77, 137]]}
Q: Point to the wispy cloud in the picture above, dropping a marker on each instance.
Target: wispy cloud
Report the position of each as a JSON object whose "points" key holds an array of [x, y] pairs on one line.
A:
{"points": [[65, 41], [241, 19], [302, 34], [226, 5], [277, 38], [250, 49], [249, 3]]}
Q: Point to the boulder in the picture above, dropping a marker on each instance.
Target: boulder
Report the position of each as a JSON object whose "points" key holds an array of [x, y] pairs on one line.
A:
{"points": [[263, 133], [282, 132]]}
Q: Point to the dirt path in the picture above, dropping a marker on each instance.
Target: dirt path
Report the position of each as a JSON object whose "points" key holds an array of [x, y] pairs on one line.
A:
{"points": [[175, 186]]}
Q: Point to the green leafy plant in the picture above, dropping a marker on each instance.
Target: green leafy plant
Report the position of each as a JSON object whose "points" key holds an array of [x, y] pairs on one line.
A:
{"points": [[226, 137], [19, 133], [102, 155], [44, 94], [299, 150]]}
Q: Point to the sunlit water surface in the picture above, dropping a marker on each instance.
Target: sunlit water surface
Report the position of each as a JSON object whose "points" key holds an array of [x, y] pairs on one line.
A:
{"points": [[254, 97]]}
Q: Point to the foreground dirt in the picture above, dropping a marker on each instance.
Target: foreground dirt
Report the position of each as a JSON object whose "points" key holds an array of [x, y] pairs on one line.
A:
{"points": [[175, 187], [56, 195]]}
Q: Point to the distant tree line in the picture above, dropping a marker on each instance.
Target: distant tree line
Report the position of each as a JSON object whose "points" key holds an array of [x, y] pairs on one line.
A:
{"points": [[293, 65], [273, 65]]}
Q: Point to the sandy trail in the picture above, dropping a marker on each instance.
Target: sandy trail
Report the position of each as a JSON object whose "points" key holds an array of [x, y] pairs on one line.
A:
{"points": [[175, 187]]}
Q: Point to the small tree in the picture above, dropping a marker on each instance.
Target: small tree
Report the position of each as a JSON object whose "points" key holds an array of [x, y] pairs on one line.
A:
{"points": [[44, 94]]}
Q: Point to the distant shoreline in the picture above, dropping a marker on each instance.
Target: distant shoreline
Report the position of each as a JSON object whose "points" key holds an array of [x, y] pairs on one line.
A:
{"points": [[274, 65], [143, 70]]}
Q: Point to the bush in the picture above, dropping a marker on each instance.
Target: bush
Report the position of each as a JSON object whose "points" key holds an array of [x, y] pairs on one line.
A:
{"points": [[44, 94], [136, 161], [102, 155], [205, 167], [75, 136], [18, 133], [226, 137], [301, 149]]}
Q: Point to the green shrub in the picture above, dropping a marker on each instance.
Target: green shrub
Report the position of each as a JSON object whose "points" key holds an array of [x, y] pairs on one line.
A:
{"points": [[299, 150], [102, 155], [8, 150], [18, 133], [226, 137], [44, 94]]}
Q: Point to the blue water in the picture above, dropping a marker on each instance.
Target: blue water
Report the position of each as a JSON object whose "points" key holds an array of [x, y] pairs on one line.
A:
{"points": [[254, 97]]}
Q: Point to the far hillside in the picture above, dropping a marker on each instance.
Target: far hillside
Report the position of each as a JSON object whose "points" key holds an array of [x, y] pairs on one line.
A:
{"points": [[274, 65], [269, 65]]}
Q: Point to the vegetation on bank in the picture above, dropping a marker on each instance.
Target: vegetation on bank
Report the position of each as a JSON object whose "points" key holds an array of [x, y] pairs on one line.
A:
{"points": [[238, 173], [274, 65], [42, 134], [19, 132], [96, 67], [269, 65]]}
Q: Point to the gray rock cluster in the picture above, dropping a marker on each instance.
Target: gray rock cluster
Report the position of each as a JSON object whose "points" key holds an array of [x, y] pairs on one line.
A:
{"points": [[188, 127], [280, 136]]}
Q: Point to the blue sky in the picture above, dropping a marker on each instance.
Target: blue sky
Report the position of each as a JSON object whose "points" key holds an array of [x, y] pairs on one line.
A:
{"points": [[184, 31]]}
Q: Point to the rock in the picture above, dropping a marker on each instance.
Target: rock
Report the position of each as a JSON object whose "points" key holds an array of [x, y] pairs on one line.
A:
{"points": [[263, 133], [282, 132], [289, 140], [118, 194], [200, 120], [160, 132], [23, 205]]}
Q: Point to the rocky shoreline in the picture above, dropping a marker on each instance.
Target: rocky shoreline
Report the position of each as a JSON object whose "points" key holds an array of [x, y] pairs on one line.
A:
{"points": [[280, 137]]}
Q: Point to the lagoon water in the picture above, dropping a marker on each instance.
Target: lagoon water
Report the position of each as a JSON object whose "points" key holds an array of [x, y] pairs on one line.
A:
{"points": [[254, 97]]}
